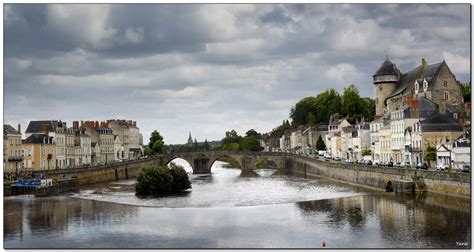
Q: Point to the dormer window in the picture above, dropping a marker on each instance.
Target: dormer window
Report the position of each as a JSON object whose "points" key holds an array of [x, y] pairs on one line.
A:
{"points": [[445, 83], [455, 116], [417, 87], [425, 85]]}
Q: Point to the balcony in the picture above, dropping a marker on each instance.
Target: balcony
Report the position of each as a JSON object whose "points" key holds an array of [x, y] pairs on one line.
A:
{"points": [[15, 158]]}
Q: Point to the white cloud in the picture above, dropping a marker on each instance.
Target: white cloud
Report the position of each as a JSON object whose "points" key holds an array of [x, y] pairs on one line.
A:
{"points": [[343, 74], [85, 24], [458, 63], [134, 35]]}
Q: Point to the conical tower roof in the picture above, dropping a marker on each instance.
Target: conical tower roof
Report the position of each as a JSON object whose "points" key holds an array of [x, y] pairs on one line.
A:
{"points": [[387, 68]]}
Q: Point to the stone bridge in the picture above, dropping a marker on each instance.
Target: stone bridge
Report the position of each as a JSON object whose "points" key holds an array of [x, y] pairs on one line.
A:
{"points": [[201, 162]]}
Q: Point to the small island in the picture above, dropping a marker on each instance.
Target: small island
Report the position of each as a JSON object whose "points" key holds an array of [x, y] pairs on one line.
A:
{"points": [[154, 180]]}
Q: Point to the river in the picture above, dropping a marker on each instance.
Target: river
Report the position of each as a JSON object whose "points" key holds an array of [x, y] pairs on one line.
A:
{"points": [[231, 209]]}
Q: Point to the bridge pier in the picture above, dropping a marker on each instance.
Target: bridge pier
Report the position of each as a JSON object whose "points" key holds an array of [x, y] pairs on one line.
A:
{"points": [[201, 165]]}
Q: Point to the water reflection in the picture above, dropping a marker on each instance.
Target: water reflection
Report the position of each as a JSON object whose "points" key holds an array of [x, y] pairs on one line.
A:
{"points": [[401, 218], [231, 210]]}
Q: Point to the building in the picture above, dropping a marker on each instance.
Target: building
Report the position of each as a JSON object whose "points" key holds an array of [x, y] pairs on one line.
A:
{"points": [[333, 137], [129, 135], [461, 151], [39, 152], [83, 146], [436, 82], [12, 149], [102, 135], [57, 130], [96, 153], [118, 148], [70, 147]]}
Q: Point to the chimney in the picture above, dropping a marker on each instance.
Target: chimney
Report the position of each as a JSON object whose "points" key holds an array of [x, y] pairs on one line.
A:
{"points": [[75, 125], [135, 123], [423, 62], [96, 125], [19, 128], [46, 129], [102, 124], [64, 124], [107, 124]]}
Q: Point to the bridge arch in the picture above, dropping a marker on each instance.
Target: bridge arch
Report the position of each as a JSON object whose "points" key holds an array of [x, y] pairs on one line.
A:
{"points": [[179, 158], [216, 157]]}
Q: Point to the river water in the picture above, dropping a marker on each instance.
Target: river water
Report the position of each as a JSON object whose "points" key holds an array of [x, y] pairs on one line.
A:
{"points": [[231, 209]]}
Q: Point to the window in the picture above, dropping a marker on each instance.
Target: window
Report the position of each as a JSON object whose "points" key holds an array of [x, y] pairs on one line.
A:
{"points": [[446, 95], [425, 85], [445, 83], [455, 116], [417, 87]]}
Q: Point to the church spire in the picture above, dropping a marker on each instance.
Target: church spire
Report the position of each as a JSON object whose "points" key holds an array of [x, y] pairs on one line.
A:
{"points": [[190, 139]]}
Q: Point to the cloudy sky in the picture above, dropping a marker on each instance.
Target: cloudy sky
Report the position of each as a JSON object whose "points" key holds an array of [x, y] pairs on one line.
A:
{"points": [[210, 68]]}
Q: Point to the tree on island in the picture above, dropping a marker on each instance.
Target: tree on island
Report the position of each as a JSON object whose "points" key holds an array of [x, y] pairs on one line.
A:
{"points": [[320, 145], [156, 180]]}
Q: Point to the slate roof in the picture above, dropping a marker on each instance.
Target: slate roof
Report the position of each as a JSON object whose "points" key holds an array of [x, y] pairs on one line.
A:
{"points": [[406, 83], [387, 68], [37, 139], [8, 129], [37, 126], [440, 123]]}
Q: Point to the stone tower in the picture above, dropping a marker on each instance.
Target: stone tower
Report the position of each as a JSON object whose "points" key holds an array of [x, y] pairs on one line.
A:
{"points": [[385, 80]]}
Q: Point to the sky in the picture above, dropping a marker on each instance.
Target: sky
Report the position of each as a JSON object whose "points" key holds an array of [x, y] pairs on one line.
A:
{"points": [[210, 68]]}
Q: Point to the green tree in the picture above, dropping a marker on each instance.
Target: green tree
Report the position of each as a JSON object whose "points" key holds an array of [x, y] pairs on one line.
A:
{"points": [[251, 143], [252, 132], [352, 104], [156, 144], [180, 178], [368, 110], [466, 91], [231, 137], [311, 119], [430, 154], [366, 152], [206, 146], [280, 130], [320, 145], [156, 180], [327, 103], [299, 113]]}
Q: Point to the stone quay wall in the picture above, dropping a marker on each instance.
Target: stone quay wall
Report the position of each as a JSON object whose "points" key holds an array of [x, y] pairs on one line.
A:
{"points": [[453, 184]]}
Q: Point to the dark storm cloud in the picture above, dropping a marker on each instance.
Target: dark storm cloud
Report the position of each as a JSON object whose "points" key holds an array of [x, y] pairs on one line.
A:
{"points": [[210, 68]]}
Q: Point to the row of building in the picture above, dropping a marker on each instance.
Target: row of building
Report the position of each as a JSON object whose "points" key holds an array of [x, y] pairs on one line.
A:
{"points": [[414, 111], [51, 144]]}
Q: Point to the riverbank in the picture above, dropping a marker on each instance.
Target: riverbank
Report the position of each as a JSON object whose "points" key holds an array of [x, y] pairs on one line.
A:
{"points": [[379, 178]]}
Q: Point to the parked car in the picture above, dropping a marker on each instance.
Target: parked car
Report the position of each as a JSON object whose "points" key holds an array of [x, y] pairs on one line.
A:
{"points": [[421, 166], [349, 161], [464, 168], [390, 164], [337, 159], [327, 156], [440, 167], [376, 162], [369, 162]]}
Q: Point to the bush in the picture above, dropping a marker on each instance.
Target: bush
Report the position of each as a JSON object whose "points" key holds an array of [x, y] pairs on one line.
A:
{"points": [[180, 178], [161, 180]]}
